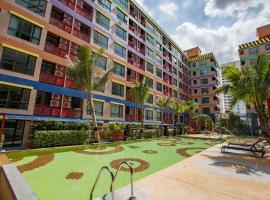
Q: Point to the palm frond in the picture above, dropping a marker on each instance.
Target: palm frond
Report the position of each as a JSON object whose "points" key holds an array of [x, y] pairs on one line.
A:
{"points": [[99, 84]]}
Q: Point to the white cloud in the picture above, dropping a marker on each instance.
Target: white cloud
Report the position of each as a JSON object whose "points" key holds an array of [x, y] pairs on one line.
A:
{"points": [[223, 41], [145, 7], [225, 8], [168, 8]]}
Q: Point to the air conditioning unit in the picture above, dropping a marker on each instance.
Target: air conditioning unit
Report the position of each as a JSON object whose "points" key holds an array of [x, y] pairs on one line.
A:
{"points": [[56, 96], [59, 67], [55, 103], [66, 104], [59, 73], [67, 98]]}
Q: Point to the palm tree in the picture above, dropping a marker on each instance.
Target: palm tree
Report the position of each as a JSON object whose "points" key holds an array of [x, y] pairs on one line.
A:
{"points": [[82, 71], [250, 84], [177, 108], [203, 119], [191, 108], [163, 103], [140, 93]]}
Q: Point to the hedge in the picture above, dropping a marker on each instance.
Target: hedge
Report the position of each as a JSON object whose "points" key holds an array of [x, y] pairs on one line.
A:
{"points": [[58, 138], [59, 125]]}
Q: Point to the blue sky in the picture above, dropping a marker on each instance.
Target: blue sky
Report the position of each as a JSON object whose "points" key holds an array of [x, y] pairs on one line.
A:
{"points": [[217, 26]]}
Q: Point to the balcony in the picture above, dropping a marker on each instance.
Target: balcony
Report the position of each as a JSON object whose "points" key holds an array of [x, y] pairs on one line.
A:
{"points": [[167, 66], [69, 3], [136, 61], [137, 30], [72, 112], [56, 45], [82, 31], [46, 110], [168, 118], [51, 79], [61, 19], [132, 114], [84, 10]]}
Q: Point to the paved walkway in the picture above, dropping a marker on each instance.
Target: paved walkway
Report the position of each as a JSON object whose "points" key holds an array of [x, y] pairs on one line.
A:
{"points": [[211, 175]]}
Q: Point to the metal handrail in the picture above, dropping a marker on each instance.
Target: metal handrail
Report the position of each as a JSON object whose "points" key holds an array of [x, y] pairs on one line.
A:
{"points": [[132, 197], [97, 179]]}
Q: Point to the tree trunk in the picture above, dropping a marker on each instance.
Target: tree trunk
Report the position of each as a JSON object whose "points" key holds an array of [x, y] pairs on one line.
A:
{"points": [[142, 118], [94, 120], [162, 123], [263, 119]]}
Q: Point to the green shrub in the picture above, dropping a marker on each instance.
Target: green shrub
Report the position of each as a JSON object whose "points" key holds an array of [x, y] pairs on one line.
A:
{"points": [[149, 133], [2, 141], [52, 138], [58, 125]]}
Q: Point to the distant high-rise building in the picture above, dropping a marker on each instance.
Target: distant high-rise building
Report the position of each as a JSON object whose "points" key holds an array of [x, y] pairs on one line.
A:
{"points": [[240, 107]]}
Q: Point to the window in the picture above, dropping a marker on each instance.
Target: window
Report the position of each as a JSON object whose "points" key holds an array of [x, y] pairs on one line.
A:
{"points": [[175, 94], [121, 16], [124, 3], [159, 72], [150, 27], [149, 114], [159, 87], [195, 91], [206, 110], [14, 97], [150, 99], [102, 20], [150, 83], [48, 67], [158, 115], [203, 63], [18, 62], [204, 90], [98, 108], [252, 51], [158, 34], [174, 60], [180, 85], [159, 59], [25, 30], [116, 110], [149, 39], [180, 75], [205, 100], [174, 71], [203, 71], [194, 73], [149, 67], [36, 6], [159, 46], [267, 47], [121, 33], [101, 40], [117, 89], [150, 53], [194, 82], [119, 69], [174, 82], [101, 61], [252, 61], [106, 4], [119, 50], [204, 81]]}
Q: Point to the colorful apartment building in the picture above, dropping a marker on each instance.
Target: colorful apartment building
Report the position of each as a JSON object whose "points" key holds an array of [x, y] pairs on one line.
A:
{"points": [[36, 36], [204, 79]]}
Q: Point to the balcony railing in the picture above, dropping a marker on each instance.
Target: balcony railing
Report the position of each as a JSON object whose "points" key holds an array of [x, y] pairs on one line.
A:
{"points": [[69, 3], [53, 49], [52, 79], [60, 24], [133, 117], [46, 110], [72, 112]]}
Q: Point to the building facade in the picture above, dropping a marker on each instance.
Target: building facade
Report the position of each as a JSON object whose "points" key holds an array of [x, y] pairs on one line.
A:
{"points": [[204, 79], [35, 38], [240, 107]]}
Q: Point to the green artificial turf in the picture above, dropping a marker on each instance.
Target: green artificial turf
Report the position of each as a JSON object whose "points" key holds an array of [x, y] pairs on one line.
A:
{"points": [[49, 181]]}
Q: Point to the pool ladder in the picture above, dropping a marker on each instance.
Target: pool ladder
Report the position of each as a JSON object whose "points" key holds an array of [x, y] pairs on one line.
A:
{"points": [[113, 178]]}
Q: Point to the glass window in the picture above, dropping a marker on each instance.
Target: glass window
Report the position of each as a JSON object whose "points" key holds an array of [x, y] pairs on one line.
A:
{"points": [[150, 53], [159, 59], [158, 115], [150, 27], [150, 99], [36, 6], [119, 50], [159, 72], [205, 100], [25, 30], [175, 94], [98, 108], [119, 69], [101, 61], [117, 89], [149, 39], [16, 61], [101, 40], [203, 71], [180, 85], [124, 3], [252, 61], [121, 16], [159, 46], [149, 114], [204, 90], [195, 91], [106, 4], [47, 67], [158, 34], [159, 87], [203, 63], [267, 47], [121, 33], [174, 82], [116, 110], [174, 71], [180, 75], [103, 20], [150, 83], [252, 51], [14, 97], [150, 67], [204, 81], [206, 110]]}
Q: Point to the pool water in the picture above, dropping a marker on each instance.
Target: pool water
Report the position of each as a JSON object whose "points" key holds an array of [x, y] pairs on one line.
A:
{"points": [[71, 175]]}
